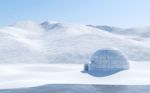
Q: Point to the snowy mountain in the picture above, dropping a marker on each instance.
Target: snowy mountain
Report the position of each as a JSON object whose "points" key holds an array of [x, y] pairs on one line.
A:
{"points": [[106, 28], [139, 31], [57, 42]]}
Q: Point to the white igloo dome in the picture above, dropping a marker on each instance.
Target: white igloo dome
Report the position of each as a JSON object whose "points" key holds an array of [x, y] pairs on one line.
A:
{"points": [[108, 60]]}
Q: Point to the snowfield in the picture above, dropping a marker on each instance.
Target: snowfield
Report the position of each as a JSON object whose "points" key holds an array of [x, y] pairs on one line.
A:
{"points": [[25, 43], [30, 75], [57, 42]]}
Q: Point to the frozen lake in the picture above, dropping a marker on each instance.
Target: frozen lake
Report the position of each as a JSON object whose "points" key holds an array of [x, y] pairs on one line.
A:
{"points": [[82, 88]]}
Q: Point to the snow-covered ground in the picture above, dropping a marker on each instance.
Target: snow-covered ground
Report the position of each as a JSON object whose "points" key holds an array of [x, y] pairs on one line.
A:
{"points": [[57, 42], [29, 42], [30, 75]]}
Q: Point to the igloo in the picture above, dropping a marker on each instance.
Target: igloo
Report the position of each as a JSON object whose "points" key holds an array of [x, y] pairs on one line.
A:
{"points": [[107, 60]]}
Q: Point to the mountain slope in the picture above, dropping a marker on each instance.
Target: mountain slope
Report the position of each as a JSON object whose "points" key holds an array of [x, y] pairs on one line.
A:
{"points": [[143, 32], [55, 42]]}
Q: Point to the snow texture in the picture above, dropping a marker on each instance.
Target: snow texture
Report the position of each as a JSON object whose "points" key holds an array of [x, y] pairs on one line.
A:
{"points": [[57, 42], [109, 59], [30, 75]]}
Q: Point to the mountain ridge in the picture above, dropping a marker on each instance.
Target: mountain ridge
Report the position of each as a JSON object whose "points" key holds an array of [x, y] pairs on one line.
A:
{"points": [[56, 42]]}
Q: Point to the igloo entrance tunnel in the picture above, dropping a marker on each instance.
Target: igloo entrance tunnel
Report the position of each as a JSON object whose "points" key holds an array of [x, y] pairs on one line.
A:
{"points": [[107, 60]]}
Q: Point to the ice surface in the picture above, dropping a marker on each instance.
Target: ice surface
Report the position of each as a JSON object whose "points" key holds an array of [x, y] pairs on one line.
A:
{"points": [[81, 88]]}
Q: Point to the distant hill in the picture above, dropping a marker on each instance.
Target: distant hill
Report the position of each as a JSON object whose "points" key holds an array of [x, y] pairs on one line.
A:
{"points": [[56, 42]]}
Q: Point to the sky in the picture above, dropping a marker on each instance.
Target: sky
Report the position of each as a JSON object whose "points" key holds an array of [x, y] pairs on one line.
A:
{"points": [[120, 13]]}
